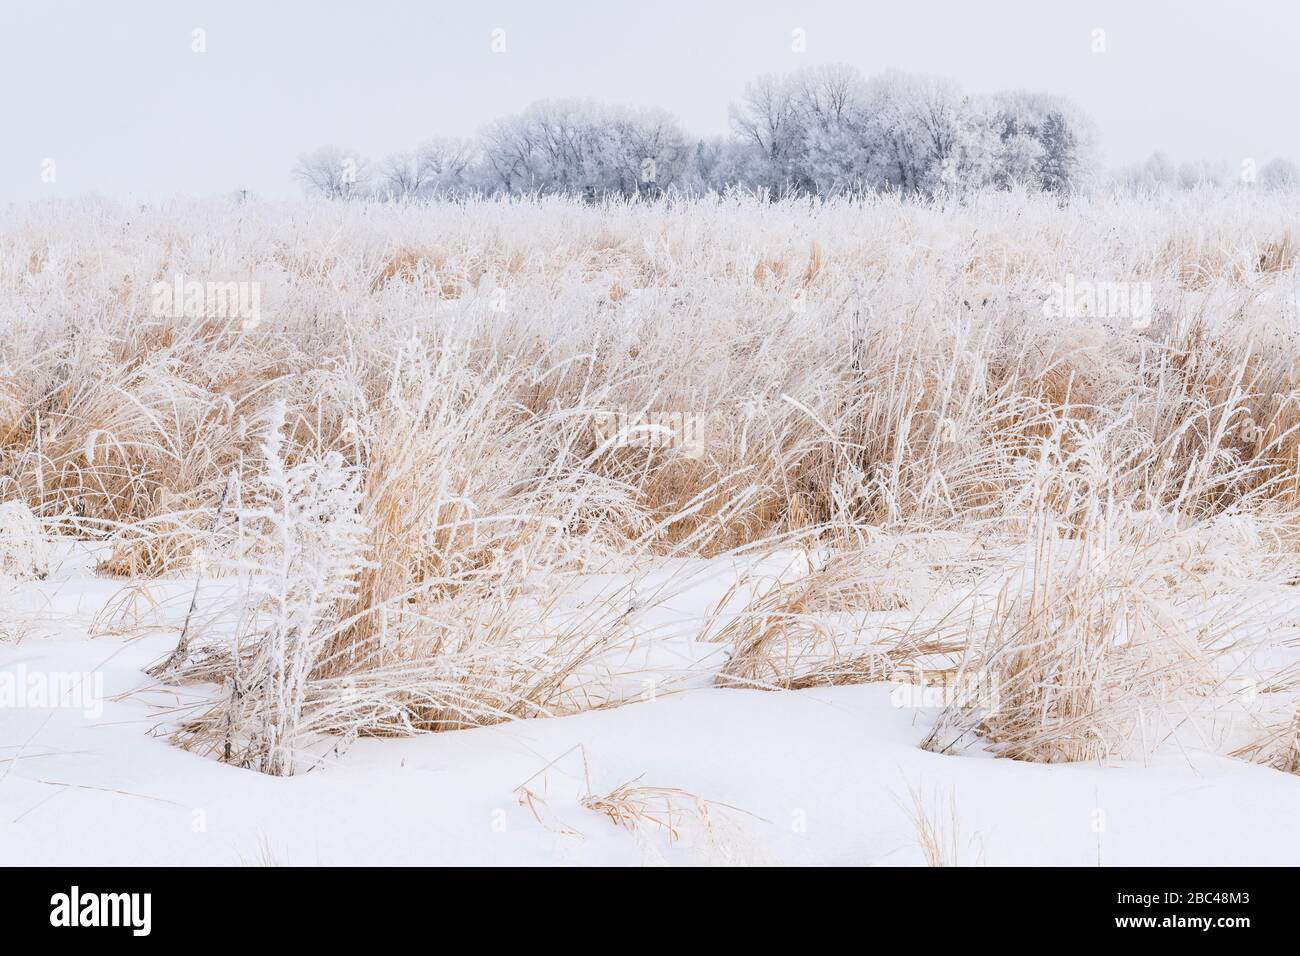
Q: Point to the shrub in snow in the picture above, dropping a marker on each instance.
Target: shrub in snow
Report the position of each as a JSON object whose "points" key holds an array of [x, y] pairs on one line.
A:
{"points": [[24, 549], [301, 567]]}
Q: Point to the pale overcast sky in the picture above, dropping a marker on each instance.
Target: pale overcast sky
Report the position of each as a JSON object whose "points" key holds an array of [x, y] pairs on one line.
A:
{"points": [[114, 94]]}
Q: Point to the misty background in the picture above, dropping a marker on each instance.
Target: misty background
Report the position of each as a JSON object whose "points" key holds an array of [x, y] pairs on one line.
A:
{"points": [[120, 100]]}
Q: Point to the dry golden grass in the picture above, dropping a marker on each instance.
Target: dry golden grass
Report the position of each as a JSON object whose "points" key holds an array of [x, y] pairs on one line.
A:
{"points": [[858, 369], [667, 809], [1279, 748], [938, 831]]}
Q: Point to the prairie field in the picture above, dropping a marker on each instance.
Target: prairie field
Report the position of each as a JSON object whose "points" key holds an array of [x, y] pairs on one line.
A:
{"points": [[713, 516]]}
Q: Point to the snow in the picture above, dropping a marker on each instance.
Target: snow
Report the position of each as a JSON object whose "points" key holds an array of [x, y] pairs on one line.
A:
{"points": [[821, 776]]}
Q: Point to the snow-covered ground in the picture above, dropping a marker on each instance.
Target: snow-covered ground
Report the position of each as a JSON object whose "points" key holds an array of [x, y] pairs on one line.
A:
{"points": [[822, 776]]}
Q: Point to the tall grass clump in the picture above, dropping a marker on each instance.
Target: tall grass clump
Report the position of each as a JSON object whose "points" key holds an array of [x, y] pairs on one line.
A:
{"points": [[300, 549]]}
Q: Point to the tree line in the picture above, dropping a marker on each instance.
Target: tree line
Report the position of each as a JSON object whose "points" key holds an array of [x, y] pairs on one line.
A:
{"points": [[820, 131]]}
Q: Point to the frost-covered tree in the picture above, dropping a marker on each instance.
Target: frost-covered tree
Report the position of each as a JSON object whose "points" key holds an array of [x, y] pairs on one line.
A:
{"points": [[715, 164], [334, 172], [440, 166], [1044, 141], [769, 121], [447, 164], [645, 151], [918, 134], [1059, 166], [1157, 173], [399, 177], [1280, 173], [1160, 169], [1019, 162], [956, 145], [584, 148], [826, 96], [843, 143], [1202, 173], [913, 134]]}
